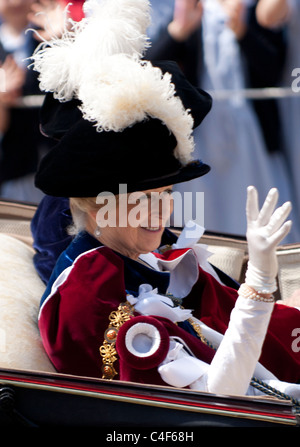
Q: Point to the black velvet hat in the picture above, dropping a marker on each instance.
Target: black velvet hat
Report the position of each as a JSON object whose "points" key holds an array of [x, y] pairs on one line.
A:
{"points": [[86, 162], [118, 118], [56, 117]]}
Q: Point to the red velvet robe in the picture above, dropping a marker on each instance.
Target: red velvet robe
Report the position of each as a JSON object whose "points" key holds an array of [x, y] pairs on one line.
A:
{"points": [[75, 315]]}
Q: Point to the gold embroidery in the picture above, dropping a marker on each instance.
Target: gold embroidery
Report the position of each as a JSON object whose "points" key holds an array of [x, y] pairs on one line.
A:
{"points": [[197, 329], [107, 350], [117, 318], [165, 248]]}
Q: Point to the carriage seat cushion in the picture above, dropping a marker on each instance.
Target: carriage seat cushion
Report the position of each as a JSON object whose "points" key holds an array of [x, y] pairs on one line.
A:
{"points": [[20, 293]]}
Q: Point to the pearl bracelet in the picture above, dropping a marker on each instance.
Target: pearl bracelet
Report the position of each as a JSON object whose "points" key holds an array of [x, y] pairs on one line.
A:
{"points": [[247, 292]]}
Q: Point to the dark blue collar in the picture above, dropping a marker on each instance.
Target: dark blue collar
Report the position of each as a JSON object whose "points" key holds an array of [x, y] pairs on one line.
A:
{"points": [[135, 273]]}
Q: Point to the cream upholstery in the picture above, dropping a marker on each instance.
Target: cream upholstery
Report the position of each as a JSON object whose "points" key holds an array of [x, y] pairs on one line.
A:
{"points": [[20, 293], [289, 271]]}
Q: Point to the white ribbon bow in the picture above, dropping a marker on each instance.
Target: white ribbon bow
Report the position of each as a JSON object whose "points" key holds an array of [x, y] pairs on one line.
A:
{"points": [[189, 238], [150, 302]]}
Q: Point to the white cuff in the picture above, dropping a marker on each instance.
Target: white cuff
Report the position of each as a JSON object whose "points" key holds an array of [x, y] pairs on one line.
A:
{"points": [[142, 339]]}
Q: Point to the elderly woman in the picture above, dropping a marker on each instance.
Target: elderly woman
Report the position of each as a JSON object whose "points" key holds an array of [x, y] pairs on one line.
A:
{"points": [[118, 303]]}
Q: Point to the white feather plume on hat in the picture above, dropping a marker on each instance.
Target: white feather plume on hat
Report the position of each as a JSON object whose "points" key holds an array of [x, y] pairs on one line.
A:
{"points": [[99, 62], [130, 92], [110, 27]]}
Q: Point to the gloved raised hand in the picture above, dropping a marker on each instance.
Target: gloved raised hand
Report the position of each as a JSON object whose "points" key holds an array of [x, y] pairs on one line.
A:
{"points": [[265, 229]]}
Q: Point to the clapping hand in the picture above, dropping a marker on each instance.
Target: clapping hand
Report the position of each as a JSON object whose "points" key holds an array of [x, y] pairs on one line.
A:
{"points": [[235, 10], [14, 78], [48, 17], [187, 18]]}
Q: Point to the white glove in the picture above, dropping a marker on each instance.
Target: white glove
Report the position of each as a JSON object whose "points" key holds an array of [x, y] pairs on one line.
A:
{"points": [[265, 229]]}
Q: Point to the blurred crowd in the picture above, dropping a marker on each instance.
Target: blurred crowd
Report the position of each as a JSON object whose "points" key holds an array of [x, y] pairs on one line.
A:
{"points": [[21, 143], [233, 45], [222, 46]]}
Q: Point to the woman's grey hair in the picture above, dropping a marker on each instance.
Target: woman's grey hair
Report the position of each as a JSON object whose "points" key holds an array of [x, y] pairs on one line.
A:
{"points": [[80, 208]]}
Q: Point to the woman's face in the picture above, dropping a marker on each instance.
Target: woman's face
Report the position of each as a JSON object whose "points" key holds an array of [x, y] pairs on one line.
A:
{"points": [[138, 222]]}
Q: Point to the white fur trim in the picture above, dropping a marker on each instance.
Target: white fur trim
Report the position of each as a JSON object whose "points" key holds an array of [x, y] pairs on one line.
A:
{"points": [[64, 275], [142, 339]]}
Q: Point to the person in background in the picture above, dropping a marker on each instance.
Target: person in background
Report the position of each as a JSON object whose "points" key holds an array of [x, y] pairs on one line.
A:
{"points": [[48, 16], [278, 14], [12, 80], [221, 47], [273, 13], [21, 142]]}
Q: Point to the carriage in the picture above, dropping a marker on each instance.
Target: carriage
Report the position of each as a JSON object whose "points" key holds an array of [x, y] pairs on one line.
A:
{"points": [[33, 394]]}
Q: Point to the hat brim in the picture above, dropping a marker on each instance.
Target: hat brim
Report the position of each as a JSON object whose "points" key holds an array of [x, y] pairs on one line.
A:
{"points": [[191, 171]]}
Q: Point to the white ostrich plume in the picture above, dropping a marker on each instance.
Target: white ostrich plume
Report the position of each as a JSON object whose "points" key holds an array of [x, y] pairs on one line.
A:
{"points": [[110, 27], [131, 91], [99, 62]]}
